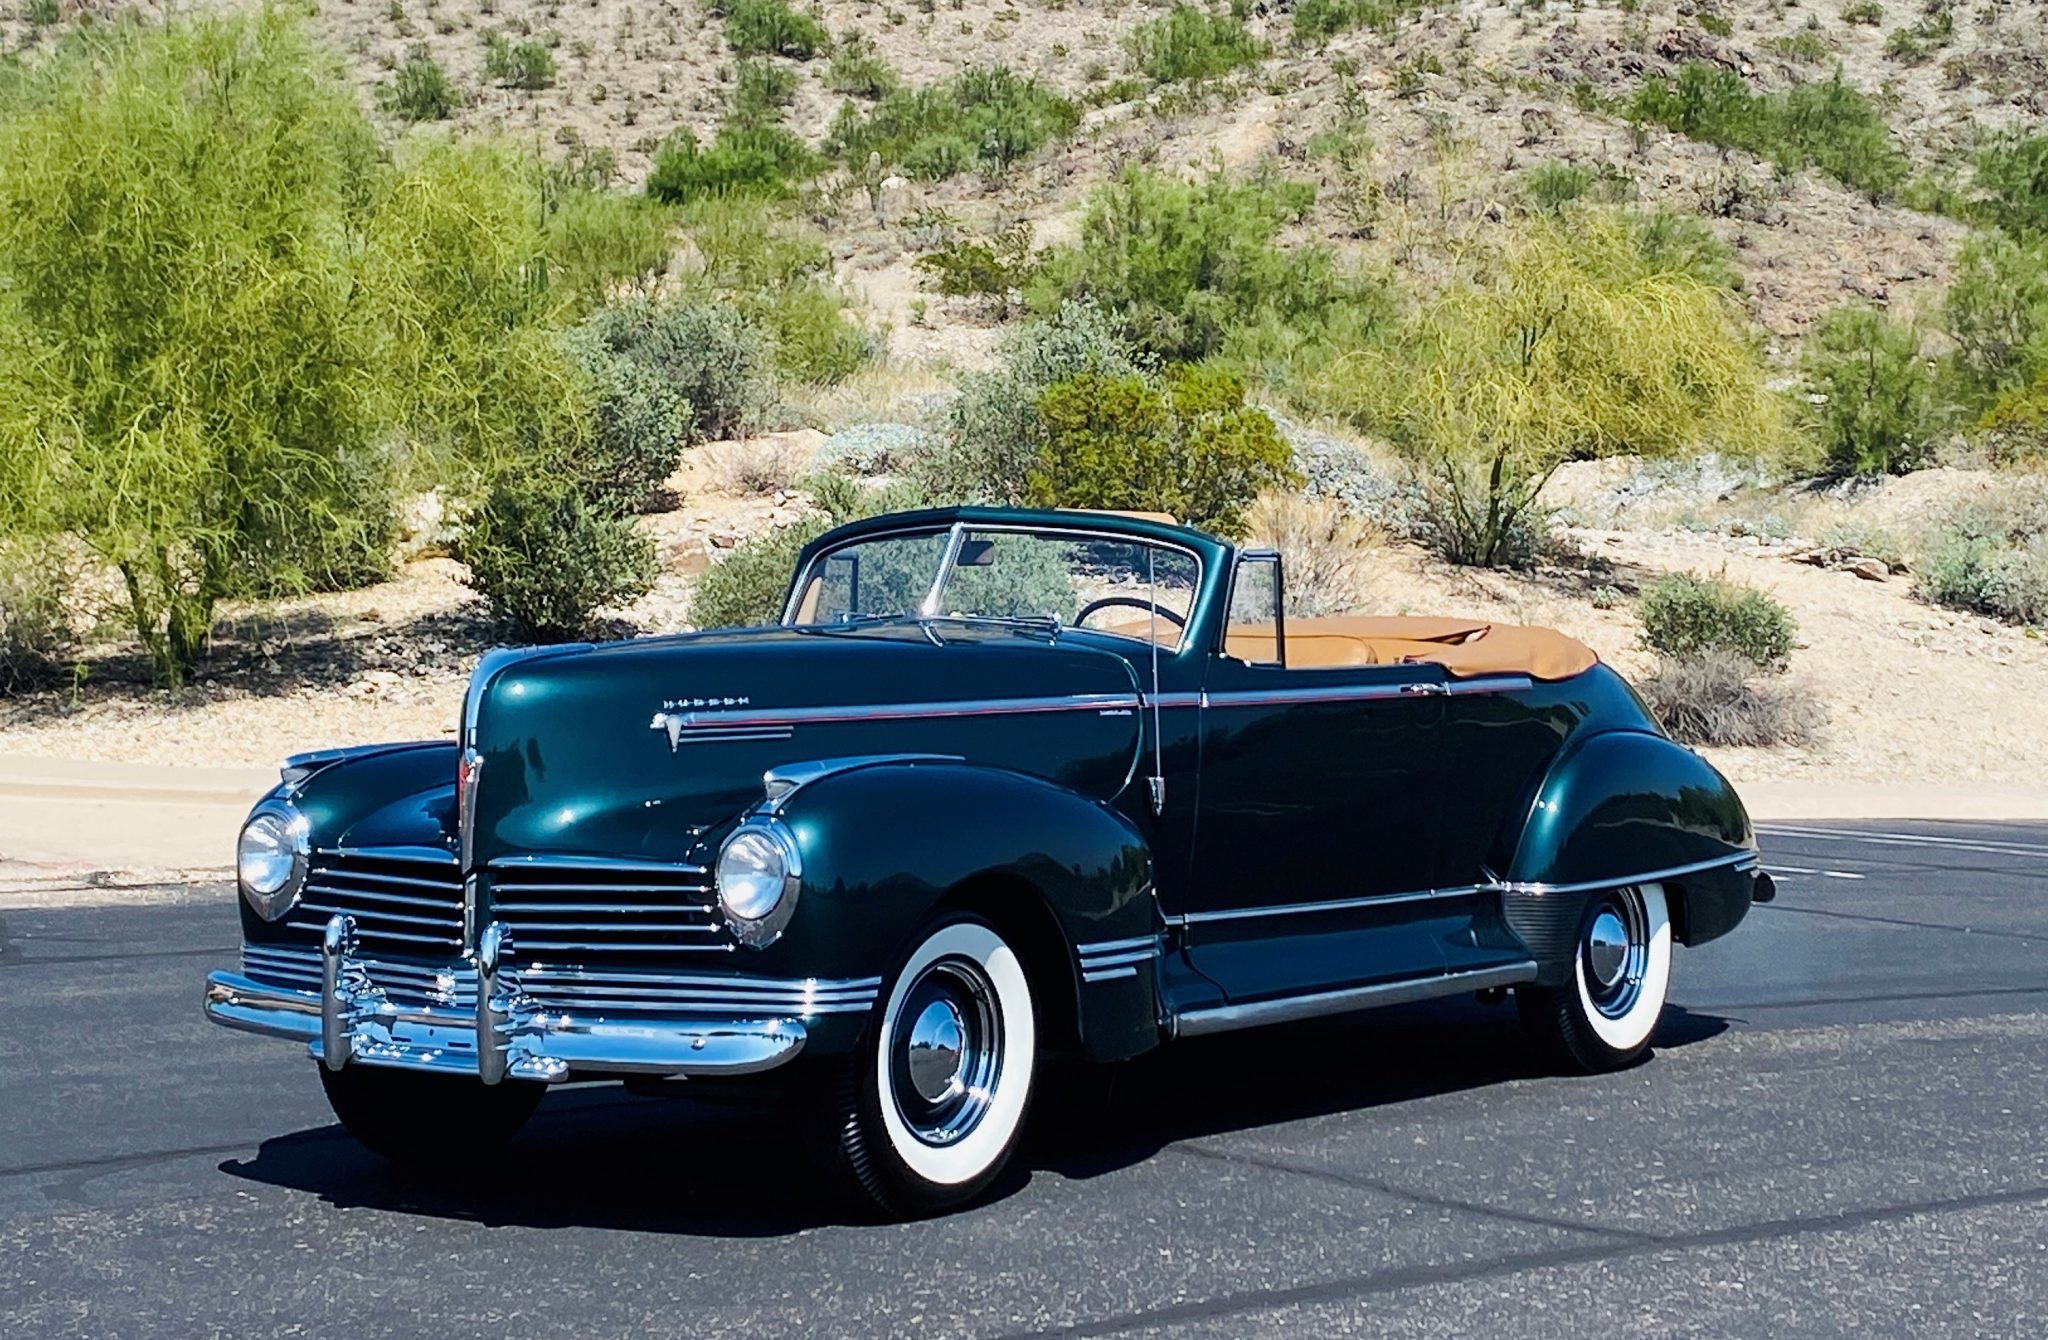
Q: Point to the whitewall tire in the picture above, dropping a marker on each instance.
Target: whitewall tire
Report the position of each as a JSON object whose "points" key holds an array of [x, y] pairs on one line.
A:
{"points": [[1606, 1015], [937, 1097]]}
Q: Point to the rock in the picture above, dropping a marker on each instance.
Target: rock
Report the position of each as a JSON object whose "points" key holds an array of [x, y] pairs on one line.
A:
{"points": [[1871, 569], [724, 539]]}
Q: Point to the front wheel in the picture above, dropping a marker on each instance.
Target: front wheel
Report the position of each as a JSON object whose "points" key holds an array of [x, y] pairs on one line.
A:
{"points": [[931, 1107], [1603, 1018], [428, 1119]]}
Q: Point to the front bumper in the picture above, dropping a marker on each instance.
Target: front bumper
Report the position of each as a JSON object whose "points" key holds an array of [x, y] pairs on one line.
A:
{"points": [[363, 1013]]}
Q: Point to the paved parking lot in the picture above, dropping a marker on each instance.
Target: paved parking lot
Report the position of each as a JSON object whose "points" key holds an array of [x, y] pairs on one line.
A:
{"points": [[1840, 1133]]}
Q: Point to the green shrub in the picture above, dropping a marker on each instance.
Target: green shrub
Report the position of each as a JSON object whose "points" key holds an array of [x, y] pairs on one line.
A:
{"points": [[859, 70], [1668, 242], [1565, 345], [1182, 265], [760, 92], [1869, 13], [41, 13], [772, 28], [1714, 698], [986, 118], [758, 161], [1320, 20], [1997, 314], [1552, 186], [1805, 46], [747, 587], [1191, 43], [546, 558], [1824, 123], [779, 277], [995, 267], [1869, 392], [1686, 615], [1991, 557], [185, 386], [420, 89], [597, 239], [2012, 176], [993, 434], [712, 362], [527, 64], [1186, 444]]}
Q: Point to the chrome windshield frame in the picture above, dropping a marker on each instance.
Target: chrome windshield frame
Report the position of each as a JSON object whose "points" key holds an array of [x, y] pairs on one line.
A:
{"points": [[956, 533]]}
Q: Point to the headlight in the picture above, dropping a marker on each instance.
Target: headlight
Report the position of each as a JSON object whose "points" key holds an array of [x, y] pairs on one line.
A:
{"points": [[758, 875], [270, 862]]}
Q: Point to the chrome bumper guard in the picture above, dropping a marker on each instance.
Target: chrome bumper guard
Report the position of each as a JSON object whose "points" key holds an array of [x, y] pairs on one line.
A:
{"points": [[353, 1021]]}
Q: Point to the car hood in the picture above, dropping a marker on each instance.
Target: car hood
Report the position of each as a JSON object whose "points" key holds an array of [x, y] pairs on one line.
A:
{"points": [[640, 748]]}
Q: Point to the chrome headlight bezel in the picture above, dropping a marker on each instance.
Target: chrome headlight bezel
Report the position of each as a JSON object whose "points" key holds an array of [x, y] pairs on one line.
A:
{"points": [[757, 876], [289, 839]]}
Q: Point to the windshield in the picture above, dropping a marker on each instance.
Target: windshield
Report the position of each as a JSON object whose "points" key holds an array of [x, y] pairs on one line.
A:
{"points": [[1130, 588]]}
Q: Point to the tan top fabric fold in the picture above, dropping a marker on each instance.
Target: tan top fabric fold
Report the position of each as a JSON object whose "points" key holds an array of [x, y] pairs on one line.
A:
{"points": [[1463, 647]]}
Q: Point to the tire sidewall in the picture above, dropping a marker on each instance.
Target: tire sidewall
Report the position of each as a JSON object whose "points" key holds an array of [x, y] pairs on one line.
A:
{"points": [[1629, 1034], [936, 1175]]}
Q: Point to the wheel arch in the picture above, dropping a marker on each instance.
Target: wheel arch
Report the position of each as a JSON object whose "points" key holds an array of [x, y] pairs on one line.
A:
{"points": [[1619, 808]]}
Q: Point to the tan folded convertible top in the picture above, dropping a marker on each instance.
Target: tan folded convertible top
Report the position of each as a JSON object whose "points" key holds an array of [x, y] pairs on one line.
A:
{"points": [[1463, 647]]}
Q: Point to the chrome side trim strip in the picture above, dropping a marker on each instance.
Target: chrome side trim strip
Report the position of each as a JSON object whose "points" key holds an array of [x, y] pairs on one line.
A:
{"points": [[1226, 1018], [965, 707], [1742, 862], [1112, 946], [1331, 905], [1108, 960]]}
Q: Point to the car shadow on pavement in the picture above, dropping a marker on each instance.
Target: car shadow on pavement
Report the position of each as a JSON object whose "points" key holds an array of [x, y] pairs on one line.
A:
{"points": [[599, 1157]]}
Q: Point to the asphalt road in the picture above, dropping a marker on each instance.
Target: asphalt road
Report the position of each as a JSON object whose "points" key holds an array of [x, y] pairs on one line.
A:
{"points": [[1840, 1133]]}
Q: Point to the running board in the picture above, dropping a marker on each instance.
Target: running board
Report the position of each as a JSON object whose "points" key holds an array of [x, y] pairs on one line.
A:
{"points": [[1225, 1018]]}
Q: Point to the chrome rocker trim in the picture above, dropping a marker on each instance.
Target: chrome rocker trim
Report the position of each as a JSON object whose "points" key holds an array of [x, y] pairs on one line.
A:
{"points": [[672, 1026], [1287, 1009]]}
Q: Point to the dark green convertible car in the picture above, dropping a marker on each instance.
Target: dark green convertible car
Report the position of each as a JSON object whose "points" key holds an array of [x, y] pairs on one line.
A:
{"points": [[999, 783]]}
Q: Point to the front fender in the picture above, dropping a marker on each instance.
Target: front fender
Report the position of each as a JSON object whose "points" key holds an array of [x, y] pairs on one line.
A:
{"points": [[883, 846], [1629, 807]]}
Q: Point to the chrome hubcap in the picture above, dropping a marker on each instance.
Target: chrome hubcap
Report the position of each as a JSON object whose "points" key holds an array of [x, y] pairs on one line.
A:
{"points": [[1606, 947], [1614, 952], [945, 1054], [938, 1041]]}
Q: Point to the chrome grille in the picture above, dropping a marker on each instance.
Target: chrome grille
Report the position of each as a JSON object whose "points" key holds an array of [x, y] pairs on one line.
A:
{"points": [[594, 911], [453, 986], [405, 901]]}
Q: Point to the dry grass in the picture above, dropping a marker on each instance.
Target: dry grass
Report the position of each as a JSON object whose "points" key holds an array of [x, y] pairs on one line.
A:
{"points": [[1328, 552], [756, 469], [1718, 698]]}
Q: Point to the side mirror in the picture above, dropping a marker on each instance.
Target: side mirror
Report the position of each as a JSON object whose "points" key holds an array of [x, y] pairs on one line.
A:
{"points": [[1256, 630]]}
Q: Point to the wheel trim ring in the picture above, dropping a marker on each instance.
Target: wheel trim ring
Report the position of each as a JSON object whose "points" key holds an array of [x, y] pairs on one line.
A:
{"points": [[963, 986]]}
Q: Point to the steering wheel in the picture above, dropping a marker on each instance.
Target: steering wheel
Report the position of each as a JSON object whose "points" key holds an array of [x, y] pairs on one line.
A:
{"points": [[1134, 602]]}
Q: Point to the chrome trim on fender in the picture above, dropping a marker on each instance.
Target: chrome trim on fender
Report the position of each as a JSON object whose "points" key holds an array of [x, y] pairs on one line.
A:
{"points": [[1287, 1009], [1107, 960], [1741, 862], [1346, 693]]}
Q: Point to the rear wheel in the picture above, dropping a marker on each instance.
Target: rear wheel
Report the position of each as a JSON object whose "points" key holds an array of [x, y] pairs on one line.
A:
{"points": [[930, 1109], [414, 1118], [1604, 1017]]}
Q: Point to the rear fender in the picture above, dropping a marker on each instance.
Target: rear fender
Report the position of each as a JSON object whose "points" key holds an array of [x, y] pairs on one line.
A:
{"points": [[884, 846], [1628, 807]]}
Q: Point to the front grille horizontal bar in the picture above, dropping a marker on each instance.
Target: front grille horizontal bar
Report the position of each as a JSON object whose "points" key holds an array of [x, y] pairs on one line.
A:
{"points": [[522, 907], [372, 917], [522, 886], [328, 886]]}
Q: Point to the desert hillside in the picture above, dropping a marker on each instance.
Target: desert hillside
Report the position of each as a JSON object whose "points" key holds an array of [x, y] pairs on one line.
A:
{"points": [[1839, 191]]}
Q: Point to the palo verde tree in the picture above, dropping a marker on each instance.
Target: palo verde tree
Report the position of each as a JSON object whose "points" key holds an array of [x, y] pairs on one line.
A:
{"points": [[180, 373], [1569, 344]]}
